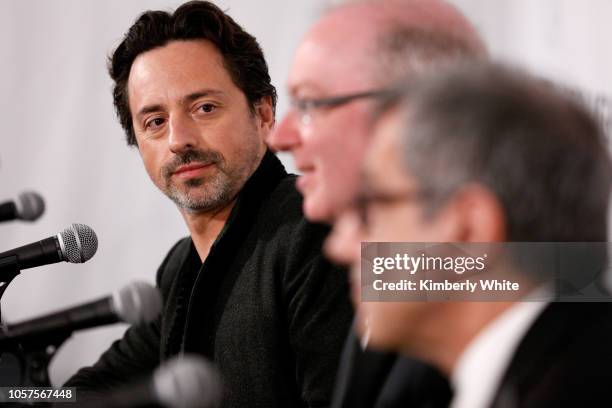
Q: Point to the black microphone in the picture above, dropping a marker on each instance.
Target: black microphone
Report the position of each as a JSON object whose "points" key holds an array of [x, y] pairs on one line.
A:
{"points": [[186, 381], [76, 244], [136, 303], [29, 206]]}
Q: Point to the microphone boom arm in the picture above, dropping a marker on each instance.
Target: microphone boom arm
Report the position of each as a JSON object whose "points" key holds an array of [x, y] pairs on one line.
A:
{"points": [[10, 267]]}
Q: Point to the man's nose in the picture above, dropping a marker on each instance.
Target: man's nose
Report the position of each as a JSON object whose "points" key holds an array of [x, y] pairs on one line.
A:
{"points": [[184, 133], [286, 135]]}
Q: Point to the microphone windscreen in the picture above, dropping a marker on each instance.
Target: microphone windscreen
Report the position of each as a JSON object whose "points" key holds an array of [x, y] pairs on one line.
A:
{"points": [[78, 243], [137, 303], [187, 381], [30, 206]]}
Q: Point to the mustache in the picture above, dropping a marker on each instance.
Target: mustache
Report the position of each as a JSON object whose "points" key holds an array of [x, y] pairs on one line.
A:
{"points": [[204, 157]]}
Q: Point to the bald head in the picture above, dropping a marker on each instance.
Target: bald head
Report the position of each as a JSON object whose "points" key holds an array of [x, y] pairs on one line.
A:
{"points": [[390, 39], [428, 14], [354, 49]]}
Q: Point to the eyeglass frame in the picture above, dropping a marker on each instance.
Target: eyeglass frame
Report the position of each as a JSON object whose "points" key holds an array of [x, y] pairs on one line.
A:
{"points": [[304, 105], [364, 200]]}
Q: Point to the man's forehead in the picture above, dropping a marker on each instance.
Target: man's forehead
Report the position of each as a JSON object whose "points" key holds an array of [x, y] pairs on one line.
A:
{"points": [[333, 58], [188, 66], [181, 53]]}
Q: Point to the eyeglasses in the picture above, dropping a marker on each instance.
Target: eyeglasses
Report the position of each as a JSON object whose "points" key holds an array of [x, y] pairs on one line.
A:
{"points": [[365, 200], [305, 106]]}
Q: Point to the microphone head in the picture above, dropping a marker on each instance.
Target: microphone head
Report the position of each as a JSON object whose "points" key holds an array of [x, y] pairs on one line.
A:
{"points": [[137, 303], [78, 243], [187, 381], [30, 206]]}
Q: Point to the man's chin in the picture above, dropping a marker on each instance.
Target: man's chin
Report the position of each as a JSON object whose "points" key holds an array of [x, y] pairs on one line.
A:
{"points": [[315, 211], [192, 201]]}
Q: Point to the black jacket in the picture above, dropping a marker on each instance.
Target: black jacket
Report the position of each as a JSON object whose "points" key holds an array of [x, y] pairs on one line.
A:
{"points": [[264, 306], [564, 360], [377, 379]]}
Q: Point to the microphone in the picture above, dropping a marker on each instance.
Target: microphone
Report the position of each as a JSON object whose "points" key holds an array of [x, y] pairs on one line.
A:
{"points": [[185, 381], [76, 244], [29, 206], [136, 303]]}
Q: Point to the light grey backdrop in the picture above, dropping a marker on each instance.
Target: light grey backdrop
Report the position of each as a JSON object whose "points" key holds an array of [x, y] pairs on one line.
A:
{"points": [[59, 136]]}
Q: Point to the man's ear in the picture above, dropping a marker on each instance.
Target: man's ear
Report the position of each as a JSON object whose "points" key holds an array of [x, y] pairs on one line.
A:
{"points": [[480, 215], [264, 111]]}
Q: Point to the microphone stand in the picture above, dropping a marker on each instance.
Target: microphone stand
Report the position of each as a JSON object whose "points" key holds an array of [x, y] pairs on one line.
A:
{"points": [[9, 266], [28, 360], [31, 359]]}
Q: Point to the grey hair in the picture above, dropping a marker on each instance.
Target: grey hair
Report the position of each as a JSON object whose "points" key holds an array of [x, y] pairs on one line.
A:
{"points": [[404, 50], [540, 152]]}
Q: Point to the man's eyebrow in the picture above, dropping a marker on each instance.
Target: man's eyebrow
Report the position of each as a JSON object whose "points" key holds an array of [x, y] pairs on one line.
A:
{"points": [[201, 93], [294, 89], [149, 109], [185, 99]]}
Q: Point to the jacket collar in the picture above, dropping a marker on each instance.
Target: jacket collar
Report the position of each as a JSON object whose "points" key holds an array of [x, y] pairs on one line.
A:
{"points": [[254, 192]]}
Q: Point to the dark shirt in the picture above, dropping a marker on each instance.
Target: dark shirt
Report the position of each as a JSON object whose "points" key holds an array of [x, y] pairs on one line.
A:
{"points": [[265, 306]]}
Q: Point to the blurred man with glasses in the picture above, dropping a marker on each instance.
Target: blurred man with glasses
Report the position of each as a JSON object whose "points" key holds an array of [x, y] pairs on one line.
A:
{"points": [[476, 154], [345, 62]]}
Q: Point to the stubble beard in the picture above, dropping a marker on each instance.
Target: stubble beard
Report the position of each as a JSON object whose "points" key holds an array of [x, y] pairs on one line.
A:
{"points": [[203, 194], [212, 191]]}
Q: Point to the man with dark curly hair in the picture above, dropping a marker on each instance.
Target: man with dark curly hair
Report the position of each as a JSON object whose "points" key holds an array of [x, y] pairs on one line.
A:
{"points": [[248, 288]]}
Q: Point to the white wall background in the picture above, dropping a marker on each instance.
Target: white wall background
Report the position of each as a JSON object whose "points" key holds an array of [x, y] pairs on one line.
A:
{"points": [[59, 136], [565, 40]]}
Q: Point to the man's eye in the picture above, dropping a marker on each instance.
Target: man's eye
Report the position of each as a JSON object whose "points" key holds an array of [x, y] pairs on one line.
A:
{"points": [[156, 122], [207, 107]]}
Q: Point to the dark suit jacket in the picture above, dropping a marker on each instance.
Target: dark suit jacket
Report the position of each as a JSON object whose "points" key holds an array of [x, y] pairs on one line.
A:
{"points": [[374, 379], [565, 360]]}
